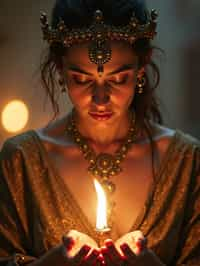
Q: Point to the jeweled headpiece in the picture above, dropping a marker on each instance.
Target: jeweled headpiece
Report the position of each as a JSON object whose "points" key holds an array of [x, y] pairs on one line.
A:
{"points": [[99, 34]]}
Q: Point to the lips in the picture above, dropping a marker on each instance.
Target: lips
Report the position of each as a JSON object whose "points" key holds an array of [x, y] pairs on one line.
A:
{"points": [[101, 116]]}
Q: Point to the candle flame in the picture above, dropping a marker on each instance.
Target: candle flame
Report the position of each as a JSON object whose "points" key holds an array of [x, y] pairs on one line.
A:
{"points": [[101, 219]]}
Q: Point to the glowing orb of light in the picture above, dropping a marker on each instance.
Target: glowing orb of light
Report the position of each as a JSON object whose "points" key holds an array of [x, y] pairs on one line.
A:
{"points": [[14, 116]]}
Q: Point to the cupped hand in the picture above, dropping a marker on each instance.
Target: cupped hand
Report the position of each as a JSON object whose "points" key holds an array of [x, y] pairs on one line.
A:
{"points": [[110, 254], [146, 257], [112, 257], [86, 256]]}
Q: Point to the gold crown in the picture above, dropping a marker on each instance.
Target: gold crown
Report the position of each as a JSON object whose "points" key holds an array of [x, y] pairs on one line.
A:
{"points": [[99, 33]]}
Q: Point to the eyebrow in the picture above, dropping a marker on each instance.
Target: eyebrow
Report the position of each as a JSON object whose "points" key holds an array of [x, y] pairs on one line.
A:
{"points": [[116, 71]]}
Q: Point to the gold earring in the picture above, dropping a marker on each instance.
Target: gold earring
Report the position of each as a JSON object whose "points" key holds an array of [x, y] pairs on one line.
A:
{"points": [[140, 84]]}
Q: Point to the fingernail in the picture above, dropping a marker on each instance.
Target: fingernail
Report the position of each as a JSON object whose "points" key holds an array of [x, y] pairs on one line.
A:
{"points": [[68, 242], [100, 256], [139, 244], [104, 250], [68, 239], [95, 252], [124, 245], [109, 243], [68, 248], [100, 260], [86, 248], [137, 250], [123, 257]]}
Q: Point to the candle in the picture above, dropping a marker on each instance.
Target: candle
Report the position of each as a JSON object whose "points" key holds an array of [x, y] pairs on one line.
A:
{"points": [[102, 228]]}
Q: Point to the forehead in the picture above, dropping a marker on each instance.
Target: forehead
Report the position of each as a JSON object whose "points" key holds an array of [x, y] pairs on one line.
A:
{"points": [[122, 53]]}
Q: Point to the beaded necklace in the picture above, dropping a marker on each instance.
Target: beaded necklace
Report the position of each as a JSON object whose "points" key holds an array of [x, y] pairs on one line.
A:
{"points": [[104, 166]]}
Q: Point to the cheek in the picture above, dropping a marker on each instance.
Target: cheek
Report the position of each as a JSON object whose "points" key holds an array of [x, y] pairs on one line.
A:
{"points": [[76, 97], [124, 97], [79, 98], [127, 99], [130, 92]]}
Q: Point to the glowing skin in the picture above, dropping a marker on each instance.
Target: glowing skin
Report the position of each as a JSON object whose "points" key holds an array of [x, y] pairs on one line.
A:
{"points": [[102, 103]]}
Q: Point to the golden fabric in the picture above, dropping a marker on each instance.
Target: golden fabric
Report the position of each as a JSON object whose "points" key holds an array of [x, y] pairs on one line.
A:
{"points": [[37, 208]]}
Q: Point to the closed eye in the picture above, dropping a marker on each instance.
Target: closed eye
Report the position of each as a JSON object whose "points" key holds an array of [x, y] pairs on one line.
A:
{"points": [[119, 81], [80, 80]]}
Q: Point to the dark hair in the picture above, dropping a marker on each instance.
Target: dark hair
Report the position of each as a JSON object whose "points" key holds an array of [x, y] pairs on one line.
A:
{"points": [[79, 13]]}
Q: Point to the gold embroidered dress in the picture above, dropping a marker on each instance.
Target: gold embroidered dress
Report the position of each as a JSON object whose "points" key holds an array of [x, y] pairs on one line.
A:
{"points": [[37, 208]]}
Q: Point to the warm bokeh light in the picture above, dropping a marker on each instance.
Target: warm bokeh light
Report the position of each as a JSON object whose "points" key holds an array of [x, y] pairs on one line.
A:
{"points": [[14, 116], [101, 220]]}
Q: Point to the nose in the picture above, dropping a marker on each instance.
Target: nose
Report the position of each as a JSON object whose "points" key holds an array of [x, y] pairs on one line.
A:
{"points": [[101, 95]]}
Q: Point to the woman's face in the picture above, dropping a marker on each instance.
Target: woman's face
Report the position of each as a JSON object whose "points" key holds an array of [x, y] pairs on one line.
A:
{"points": [[101, 99]]}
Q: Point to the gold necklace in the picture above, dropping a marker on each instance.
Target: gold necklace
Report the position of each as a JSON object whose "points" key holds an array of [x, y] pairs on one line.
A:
{"points": [[104, 165]]}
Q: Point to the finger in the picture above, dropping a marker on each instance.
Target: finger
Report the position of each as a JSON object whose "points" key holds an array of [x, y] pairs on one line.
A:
{"points": [[99, 263], [91, 258], [81, 254], [143, 241], [106, 257], [141, 245], [101, 259], [128, 253], [113, 252], [68, 242]]}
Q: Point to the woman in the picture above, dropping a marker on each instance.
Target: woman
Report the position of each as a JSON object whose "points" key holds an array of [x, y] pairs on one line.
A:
{"points": [[114, 133]]}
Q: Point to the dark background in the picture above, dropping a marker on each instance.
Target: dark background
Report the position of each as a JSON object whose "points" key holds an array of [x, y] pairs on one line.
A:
{"points": [[21, 46]]}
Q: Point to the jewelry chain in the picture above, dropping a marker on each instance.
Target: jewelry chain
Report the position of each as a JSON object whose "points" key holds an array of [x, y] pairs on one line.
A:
{"points": [[104, 166]]}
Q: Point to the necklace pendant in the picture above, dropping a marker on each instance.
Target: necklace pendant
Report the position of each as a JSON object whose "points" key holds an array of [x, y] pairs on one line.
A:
{"points": [[104, 162], [105, 165]]}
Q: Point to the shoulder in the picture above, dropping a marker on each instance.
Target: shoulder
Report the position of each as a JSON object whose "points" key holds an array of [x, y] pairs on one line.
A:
{"points": [[161, 137], [186, 147], [191, 146], [48, 135], [13, 158], [166, 134], [186, 142], [15, 144], [189, 139], [53, 135], [176, 140]]}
